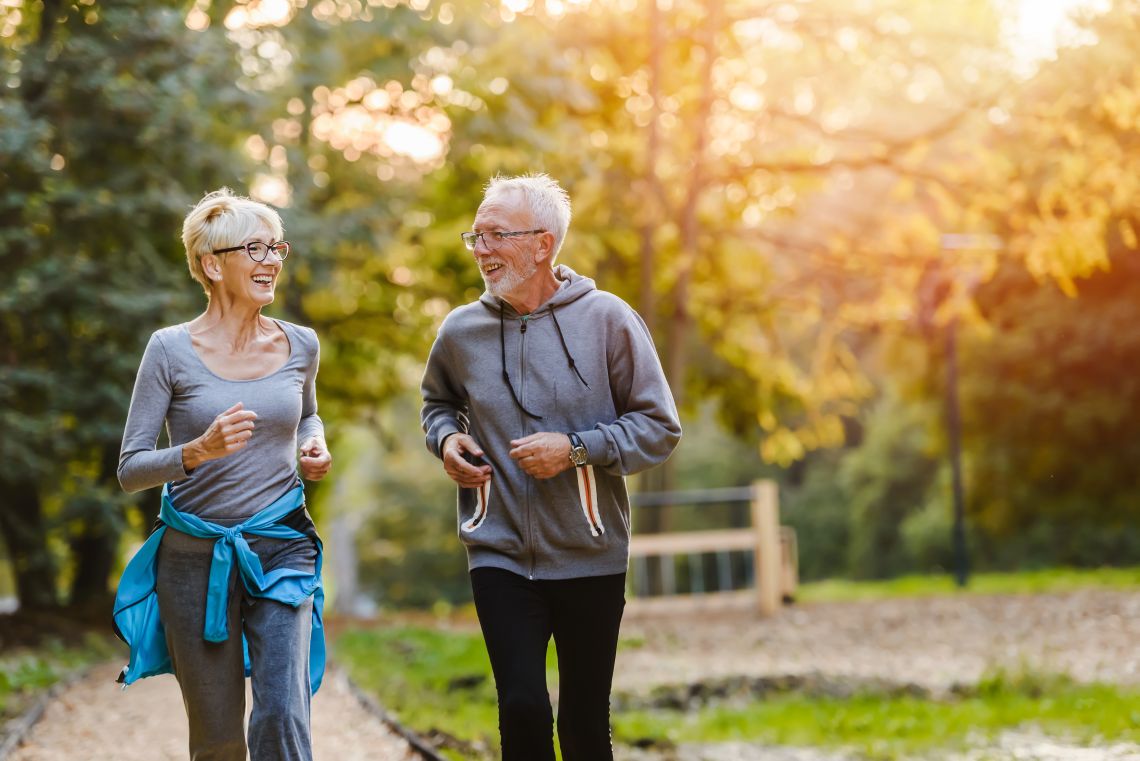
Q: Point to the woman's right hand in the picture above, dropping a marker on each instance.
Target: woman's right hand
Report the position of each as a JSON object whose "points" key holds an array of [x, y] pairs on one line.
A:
{"points": [[229, 432]]}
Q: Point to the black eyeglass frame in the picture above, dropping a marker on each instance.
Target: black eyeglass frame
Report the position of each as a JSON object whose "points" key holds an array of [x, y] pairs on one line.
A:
{"points": [[471, 239], [248, 248]]}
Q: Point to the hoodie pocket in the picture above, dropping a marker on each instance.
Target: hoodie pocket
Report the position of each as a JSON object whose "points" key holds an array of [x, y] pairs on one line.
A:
{"points": [[588, 496], [482, 498]]}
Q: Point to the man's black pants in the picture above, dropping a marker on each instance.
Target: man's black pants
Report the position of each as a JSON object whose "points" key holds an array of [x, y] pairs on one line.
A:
{"points": [[518, 616]]}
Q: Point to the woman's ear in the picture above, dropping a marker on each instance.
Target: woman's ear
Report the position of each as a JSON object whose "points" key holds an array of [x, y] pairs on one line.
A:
{"points": [[212, 266]]}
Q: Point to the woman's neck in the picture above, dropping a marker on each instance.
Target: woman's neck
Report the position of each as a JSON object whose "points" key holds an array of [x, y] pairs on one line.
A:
{"points": [[235, 326]]}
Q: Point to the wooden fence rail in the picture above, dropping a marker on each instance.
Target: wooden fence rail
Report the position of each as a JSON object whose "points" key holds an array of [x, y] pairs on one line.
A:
{"points": [[773, 550]]}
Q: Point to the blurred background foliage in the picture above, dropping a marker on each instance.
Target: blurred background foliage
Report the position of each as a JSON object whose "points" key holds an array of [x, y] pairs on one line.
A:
{"points": [[770, 183]]}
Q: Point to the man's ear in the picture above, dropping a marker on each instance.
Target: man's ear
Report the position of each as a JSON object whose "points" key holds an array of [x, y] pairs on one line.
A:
{"points": [[545, 248]]}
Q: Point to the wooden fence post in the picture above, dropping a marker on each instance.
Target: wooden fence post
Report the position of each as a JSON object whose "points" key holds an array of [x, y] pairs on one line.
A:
{"points": [[766, 564]]}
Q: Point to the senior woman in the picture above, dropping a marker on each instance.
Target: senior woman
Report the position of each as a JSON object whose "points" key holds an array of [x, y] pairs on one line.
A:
{"points": [[229, 582]]}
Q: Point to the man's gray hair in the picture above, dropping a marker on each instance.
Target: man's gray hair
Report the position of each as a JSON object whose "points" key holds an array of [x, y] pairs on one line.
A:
{"points": [[548, 202]]}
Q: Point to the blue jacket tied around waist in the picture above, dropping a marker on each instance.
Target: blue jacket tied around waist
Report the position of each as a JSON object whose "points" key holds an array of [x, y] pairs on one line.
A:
{"points": [[136, 616]]}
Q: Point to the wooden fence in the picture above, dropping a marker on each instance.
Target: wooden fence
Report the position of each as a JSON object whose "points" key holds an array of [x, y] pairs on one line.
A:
{"points": [[771, 548]]}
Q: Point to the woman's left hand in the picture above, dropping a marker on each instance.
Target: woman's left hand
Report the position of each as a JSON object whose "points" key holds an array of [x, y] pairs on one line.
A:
{"points": [[315, 459]]}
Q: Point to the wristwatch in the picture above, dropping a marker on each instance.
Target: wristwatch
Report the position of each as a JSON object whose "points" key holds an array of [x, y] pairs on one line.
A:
{"points": [[578, 453]]}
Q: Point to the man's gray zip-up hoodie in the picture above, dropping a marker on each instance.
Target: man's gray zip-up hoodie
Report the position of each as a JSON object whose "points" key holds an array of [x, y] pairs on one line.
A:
{"points": [[585, 363]]}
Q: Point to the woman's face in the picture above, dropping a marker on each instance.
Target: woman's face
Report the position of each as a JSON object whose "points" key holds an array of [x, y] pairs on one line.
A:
{"points": [[247, 281]]}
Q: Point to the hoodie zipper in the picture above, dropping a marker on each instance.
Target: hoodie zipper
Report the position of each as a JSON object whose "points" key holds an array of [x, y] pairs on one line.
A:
{"points": [[522, 395]]}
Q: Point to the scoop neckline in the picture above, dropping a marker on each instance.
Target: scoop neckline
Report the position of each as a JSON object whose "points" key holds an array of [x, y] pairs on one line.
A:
{"points": [[190, 340]]}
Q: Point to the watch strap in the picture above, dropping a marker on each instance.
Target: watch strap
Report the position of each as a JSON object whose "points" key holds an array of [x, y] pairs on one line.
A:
{"points": [[575, 446]]}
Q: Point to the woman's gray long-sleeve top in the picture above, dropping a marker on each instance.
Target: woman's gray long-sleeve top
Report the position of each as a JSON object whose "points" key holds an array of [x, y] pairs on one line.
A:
{"points": [[175, 387]]}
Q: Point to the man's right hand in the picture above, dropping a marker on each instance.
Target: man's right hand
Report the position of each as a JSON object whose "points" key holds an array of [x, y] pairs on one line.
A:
{"points": [[456, 465], [229, 432]]}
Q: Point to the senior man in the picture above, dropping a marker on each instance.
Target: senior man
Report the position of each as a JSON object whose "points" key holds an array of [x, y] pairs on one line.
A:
{"points": [[539, 398]]}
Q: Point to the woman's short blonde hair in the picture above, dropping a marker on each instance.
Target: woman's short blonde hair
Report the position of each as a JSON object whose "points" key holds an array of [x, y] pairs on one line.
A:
{"points": [[220, 220]]}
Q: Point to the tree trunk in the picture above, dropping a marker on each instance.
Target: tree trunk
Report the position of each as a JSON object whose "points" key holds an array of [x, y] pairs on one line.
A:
{"points": [[94, 554], [653, 208], [663, 477], [95, 547], [690, 225], [25, 535], [654, 519]]}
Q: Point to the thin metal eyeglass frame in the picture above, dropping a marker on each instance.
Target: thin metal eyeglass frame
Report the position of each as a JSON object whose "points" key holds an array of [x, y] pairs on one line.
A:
{"points": [[247, 247], [470, 240]]}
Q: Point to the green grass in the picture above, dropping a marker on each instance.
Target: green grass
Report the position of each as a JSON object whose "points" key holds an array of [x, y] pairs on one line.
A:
{"points": [[441, 681], [27, 672], [438, 679], [430, 679], [1022, 582], [896, 728]]}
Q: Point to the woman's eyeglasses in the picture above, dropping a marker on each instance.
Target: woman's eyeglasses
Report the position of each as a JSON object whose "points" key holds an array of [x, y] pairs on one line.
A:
{"points": [[258, 250]]}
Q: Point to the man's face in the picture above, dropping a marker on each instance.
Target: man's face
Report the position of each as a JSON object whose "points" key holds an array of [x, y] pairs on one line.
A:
{"points": [[509, 267]]}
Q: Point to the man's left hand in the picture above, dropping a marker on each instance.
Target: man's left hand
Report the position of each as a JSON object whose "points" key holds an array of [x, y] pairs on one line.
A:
{"points": [[315, 459], [542, 455]]}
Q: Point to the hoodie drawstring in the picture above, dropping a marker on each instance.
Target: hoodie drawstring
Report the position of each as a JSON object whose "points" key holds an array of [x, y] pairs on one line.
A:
{"points": [[503, 357], [566, 349]]}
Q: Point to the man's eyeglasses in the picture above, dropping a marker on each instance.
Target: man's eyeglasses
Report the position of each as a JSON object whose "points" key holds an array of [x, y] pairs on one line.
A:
{"points": [[258, 250], [492, 240]]}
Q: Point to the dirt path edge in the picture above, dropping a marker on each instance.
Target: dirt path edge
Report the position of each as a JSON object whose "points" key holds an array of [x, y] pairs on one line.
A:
{"points": [[15, 730], [370, 704]]}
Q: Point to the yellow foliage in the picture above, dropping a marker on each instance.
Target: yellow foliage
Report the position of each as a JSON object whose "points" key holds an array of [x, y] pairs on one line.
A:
{"points": [[903, 189], [782, 447], [1128, 234]]}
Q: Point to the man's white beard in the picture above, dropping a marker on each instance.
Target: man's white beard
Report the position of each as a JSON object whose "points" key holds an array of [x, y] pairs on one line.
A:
{"points": [[509, 282]]}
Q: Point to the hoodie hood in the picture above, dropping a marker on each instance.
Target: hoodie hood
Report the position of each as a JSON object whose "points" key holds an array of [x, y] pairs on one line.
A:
{"points": [[572, 287]]}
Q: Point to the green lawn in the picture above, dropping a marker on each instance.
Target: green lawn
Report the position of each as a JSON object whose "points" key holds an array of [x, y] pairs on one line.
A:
{"points": [[1024, 582], [430, 679], [899, 728], [440, 680]]}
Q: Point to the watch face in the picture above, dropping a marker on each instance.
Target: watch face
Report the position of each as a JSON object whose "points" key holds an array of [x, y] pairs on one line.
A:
{"points": [[578, 455]]}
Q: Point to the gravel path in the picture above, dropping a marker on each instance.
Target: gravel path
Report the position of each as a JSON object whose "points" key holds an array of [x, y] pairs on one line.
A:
{"points": [[729, 752], [93, 720], [1091, 635], [1011, 746], [934, 643]]}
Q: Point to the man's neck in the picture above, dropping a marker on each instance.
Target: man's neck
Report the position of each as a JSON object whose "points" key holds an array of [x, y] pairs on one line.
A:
{"points": [[538, 292]]}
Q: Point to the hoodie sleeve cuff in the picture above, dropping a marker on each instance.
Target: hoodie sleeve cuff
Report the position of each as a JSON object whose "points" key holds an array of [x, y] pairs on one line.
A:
{"points": [[441, 437], [597, 447]]}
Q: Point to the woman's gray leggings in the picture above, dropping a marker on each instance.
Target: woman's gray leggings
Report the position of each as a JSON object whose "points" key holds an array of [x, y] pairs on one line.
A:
{"points": [[211, 674]]}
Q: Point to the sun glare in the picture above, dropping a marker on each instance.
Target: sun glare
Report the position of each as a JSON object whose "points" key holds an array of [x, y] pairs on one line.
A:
{"points": [[271, 189], [260, 13], [417, 143], [1038, 27], [386, 121]]}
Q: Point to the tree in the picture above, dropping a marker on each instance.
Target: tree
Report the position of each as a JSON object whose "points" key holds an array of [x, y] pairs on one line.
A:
{"points": [[1046, 326], [115, 123], [1051, 389]]}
